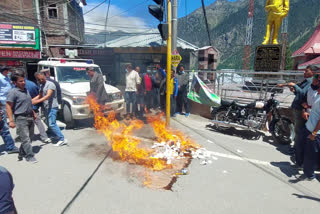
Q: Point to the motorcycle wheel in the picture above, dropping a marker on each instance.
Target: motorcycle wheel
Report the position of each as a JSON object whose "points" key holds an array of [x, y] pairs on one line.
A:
{"points": [[283, 134], [221, 116]]}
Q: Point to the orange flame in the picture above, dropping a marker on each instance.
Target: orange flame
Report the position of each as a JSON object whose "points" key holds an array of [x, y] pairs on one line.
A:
{"points": [[121, 139]]}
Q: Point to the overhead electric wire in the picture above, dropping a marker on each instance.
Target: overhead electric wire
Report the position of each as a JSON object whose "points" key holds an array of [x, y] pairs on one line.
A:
{"points": [[206, 21], [95, 7]]}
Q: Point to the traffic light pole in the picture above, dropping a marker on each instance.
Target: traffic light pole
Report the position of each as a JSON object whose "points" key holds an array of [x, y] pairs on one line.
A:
{"points": [[168, 94], [174, 24]]}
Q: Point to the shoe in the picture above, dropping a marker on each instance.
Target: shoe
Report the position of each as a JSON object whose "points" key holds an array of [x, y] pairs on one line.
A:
{"points": [[61, 142], [305, 178], [174, 115], [178, 113], [187, 114], [48, 140], [14, 150], [32, 160]]}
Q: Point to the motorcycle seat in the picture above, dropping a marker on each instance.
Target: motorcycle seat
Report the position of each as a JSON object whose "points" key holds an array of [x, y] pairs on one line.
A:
{"points": [[241, 105], [226, 103]]}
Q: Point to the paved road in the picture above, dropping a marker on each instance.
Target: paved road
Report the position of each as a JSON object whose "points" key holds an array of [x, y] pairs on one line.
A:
{"points": [[250, 176]]}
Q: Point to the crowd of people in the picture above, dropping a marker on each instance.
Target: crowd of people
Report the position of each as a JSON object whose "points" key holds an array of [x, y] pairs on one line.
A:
{"points": [[306, 111], [21, 101], [146, 90]]}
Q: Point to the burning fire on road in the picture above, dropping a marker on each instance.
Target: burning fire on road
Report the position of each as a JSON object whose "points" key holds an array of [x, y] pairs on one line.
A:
{"points": [[171, 151]]}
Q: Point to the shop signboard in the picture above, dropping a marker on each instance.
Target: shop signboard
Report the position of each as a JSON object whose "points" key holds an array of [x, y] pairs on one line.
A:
{"points": [[19, 35], [20, 54]]}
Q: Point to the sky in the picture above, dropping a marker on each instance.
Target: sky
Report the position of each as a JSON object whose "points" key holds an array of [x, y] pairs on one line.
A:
{"points": [[130, 15]]}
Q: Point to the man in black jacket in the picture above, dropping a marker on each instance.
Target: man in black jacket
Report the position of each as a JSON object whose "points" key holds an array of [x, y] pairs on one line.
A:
{"points": [[97, 86]]}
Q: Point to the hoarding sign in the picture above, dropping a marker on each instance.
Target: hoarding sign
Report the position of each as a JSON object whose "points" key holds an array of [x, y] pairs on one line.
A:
{"points": [[19, 35]]}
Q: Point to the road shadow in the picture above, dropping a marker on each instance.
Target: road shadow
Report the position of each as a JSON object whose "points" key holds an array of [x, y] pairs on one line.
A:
{"points": [[82, 124], [306, 197], [251, 135], [286, 168]]}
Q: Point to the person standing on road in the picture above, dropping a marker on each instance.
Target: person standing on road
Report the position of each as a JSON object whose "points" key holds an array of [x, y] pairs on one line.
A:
{"points": [[148, 94], [156, 79], [5, 86], [132, 81], [182, 98], [140, 94], [48, 96], [311, 131], [19, 105], [97, 88], [173, 91], [299, 91], [48, 77], [311, 97], [6, 187], [33, 90]]}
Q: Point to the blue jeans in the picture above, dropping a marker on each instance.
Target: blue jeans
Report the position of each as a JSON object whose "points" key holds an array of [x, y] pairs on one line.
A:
{"points": [[130, 97], [5, 133], [52, 115]]}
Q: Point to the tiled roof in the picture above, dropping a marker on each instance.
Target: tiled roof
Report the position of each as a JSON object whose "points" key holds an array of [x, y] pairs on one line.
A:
{"points": [[312, 46], [315, 61]]}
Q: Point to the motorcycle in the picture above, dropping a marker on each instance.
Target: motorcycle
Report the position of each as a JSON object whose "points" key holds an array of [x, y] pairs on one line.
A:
{"points": [[254, 116]]}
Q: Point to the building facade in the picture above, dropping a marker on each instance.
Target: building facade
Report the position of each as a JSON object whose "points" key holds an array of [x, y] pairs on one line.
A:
{"points": [[29, 27]]}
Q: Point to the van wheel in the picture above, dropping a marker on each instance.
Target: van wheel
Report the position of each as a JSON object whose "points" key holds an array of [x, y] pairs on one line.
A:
{"points": [[67, 116]]}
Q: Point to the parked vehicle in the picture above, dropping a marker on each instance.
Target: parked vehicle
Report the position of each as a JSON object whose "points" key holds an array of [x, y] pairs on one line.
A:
{"points": [[254, 116], [75, 83]]}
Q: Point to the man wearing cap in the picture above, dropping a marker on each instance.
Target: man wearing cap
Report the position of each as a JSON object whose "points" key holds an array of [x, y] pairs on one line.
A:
{"points": [[5, 86], [97, 86]]}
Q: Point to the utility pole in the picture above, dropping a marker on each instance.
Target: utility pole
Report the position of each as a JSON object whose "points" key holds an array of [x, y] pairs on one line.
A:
{"points": [[168, 95], [174, 24], [105, 26]]}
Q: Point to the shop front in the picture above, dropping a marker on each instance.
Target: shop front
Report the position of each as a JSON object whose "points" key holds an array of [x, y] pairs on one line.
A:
{"points": [[20, 47]]}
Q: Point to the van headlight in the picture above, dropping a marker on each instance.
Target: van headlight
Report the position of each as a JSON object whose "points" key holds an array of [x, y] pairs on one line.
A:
{"points": [[78, 100], [117, 96]]}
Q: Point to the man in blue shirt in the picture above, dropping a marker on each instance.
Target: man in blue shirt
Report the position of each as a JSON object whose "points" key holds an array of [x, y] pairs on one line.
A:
{"points": [[6, 188], [173, 92], [5, 86]]}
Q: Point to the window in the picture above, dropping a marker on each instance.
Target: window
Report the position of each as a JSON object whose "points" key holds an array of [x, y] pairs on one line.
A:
{"points": [[52, 11]]}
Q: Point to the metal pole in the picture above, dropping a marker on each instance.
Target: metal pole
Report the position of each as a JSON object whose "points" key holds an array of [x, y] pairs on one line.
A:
{"points": [[39, 22], [106, 24], [174, 24], [168, 95]]}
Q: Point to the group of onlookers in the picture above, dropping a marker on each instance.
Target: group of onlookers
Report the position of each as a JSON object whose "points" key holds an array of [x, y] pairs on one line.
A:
{"points": [[147, 90], [306, 111], [20, 103]]}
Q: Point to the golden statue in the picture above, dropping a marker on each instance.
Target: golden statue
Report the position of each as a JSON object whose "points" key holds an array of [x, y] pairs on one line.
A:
{"points": [[277, 10]]}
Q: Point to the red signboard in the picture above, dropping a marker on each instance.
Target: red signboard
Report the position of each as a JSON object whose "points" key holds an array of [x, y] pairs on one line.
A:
{"points": [[20, 54]]}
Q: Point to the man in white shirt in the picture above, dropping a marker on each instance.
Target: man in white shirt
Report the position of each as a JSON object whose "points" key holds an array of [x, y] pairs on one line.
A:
{"points": [[132, 81]]}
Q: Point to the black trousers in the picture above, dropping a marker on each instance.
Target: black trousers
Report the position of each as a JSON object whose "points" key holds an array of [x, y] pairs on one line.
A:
{"points": [[182, 100]]}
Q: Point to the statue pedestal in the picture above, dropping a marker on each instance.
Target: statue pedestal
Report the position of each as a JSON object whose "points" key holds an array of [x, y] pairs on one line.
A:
{"points": [[267, 58]]}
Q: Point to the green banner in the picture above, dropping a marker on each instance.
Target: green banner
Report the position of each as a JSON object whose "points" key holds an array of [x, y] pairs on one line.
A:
{"points": [[202, 94]]}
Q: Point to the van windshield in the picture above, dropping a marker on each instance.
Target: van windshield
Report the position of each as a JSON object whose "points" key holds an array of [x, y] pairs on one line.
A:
{"points": [[74, 74]]}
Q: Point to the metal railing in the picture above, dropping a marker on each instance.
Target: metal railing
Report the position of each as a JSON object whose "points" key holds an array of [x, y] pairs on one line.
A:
{"points": [[246, 86]]}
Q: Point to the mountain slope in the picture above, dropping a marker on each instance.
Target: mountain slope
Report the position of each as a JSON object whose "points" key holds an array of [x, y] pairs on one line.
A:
{"points": [[227, 25]]}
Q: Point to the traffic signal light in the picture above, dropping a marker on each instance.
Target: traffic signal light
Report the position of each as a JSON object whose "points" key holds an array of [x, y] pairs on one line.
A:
{"points": [[157, 10], [164, 31]]}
